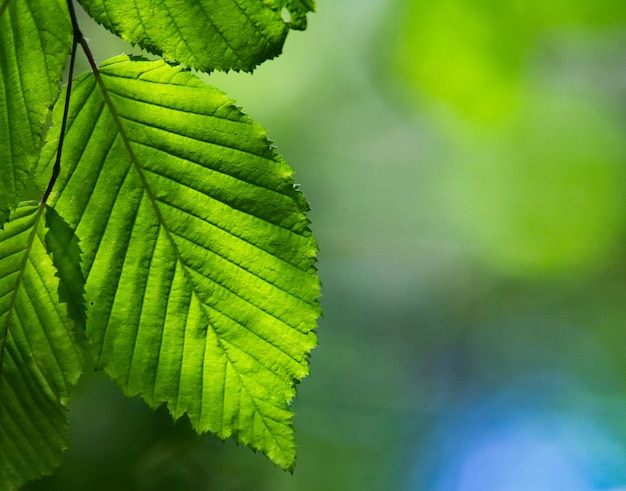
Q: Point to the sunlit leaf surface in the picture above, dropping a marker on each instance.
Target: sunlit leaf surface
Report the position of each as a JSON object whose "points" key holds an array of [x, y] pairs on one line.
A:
{"points": [[35, 39], [39, 358], [205, 34], [201, 285]]}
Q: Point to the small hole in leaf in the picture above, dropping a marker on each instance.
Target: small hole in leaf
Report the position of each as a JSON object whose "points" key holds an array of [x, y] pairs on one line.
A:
{"points": [[286, 15]]}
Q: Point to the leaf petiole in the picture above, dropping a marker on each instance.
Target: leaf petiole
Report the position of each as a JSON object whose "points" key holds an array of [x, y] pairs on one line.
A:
{"points": [[57, 163]]}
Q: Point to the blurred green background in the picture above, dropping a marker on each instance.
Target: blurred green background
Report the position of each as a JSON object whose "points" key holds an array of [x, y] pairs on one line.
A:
{"points": [[465, 161]]}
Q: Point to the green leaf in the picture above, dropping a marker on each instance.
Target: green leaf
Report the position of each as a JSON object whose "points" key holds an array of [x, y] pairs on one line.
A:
{"points": [[35, 39], [298, 10], [201, 284], [63, 247], [39, 359], [204, 34]]}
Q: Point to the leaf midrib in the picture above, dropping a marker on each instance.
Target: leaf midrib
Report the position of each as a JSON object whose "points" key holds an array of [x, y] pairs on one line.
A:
{"points": [[3, 7], [18, 282], [153, 201]]}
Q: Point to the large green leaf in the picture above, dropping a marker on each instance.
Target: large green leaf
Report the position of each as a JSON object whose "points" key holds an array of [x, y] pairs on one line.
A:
{"points": [[35, 39], [39, 358], [203, 34], [201, 284]]}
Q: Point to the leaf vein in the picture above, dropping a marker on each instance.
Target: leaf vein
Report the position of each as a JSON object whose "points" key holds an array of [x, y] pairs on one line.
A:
{"points": [[213, 224]]}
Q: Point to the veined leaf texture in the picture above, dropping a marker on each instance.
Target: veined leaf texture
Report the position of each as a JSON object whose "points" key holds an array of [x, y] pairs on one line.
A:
{"points": [[204, 34], [174, 249], [35, 39], [198, 258], [41, 359]]}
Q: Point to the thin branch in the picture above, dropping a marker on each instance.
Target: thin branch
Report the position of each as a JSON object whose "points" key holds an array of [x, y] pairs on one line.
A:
{"points": [[78, 35], [57, 163]]}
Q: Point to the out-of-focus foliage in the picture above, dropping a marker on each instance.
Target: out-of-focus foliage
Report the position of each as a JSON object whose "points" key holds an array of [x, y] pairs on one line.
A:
{"points": [[544, 193], [473, 54], [537, 181]]}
